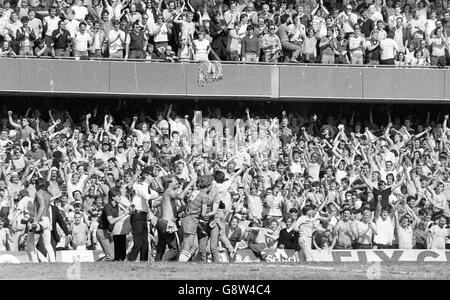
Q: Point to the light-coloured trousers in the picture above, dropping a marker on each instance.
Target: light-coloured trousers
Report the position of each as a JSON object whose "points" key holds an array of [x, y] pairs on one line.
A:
{"points": [[33, 238], [107, 243], [305, 244]]}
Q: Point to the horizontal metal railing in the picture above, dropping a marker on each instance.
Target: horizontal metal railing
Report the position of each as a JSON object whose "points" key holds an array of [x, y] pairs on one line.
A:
{"points": [[106, 59]]}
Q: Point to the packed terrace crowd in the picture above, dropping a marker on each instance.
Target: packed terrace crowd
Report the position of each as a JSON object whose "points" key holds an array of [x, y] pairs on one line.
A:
{"points": [[130, 178], [388, 32]]}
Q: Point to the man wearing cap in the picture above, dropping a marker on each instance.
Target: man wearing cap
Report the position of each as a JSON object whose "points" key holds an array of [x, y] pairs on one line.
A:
{"points": [[142, 195], [25, 36]]}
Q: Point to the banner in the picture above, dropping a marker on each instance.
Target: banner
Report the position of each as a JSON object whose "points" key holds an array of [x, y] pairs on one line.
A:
{"points": [[65, 256], [340, 256], [385, 255], [69, 256], [273, 256]]}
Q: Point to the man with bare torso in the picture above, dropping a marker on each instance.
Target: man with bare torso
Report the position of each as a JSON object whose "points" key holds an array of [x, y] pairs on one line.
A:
{"points": [[40, 223], [166, 226]]}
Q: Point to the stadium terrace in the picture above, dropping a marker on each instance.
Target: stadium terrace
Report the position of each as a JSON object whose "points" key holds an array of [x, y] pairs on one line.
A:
{"points": [[150, 181]]}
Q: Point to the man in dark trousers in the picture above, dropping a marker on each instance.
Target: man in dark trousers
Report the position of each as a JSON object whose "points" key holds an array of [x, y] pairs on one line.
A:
{"points": [[56, 218], [140, 203]]}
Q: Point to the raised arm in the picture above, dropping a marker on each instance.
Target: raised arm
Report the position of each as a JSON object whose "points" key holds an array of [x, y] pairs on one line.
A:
{"points": [[386, 134], [177, 17], [11, 122], [366, 181]]}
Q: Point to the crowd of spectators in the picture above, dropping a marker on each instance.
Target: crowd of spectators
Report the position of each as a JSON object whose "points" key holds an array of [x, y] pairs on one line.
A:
{"points": [[149, 179], [405, 32]]}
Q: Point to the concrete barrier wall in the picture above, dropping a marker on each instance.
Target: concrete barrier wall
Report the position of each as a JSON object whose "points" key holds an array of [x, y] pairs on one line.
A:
{"points": [[264, 82]]}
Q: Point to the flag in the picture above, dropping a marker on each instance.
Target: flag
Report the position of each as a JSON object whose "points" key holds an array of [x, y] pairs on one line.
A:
{"points": [[209, 72]]}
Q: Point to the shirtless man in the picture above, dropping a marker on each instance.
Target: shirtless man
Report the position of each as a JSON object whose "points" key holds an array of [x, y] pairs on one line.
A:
{"points": [[166, 226], [40, 223]]}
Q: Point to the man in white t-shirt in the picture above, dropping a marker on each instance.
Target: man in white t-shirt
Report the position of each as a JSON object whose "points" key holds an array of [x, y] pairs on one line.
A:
{"points": [[35, 23], [72, 25], [306, 225], [82, 41], [75, 183], [159, 32], [437, 234], [385, 226], [50, 24], [404, 234], [116, 40], [389, 49], [80, 11], [221, 186]]}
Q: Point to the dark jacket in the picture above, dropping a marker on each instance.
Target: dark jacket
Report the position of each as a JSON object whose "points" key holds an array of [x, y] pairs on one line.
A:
{"points": [[20, 34], [288, 239], [219, 38], [367, 26], [57, 218], [236, 236]]}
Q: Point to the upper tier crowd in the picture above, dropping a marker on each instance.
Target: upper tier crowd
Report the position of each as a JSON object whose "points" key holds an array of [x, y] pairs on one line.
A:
{"points": [[388, 32]]}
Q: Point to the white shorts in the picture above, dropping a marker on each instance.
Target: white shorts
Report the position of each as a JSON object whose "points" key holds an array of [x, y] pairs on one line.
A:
{"points": [[45, 223]]}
